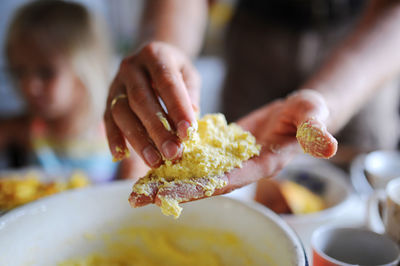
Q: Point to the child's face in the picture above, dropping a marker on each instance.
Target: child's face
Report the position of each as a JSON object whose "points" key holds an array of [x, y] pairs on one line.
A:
{"points": [[45, 78]]}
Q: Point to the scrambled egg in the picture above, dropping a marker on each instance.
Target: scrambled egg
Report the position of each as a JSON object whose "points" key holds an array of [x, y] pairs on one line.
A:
{"points": [[170, 246], [17, 190], [215, 149]]}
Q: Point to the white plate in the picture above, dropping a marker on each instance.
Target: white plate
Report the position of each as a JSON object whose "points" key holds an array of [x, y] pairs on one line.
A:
{"points": [[53, 229]]}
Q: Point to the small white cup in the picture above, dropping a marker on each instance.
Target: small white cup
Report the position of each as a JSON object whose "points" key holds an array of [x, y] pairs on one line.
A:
{"points": [[387, 221]]}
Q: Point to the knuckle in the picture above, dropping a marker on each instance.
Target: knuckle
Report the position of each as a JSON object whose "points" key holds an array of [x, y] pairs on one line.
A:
{"points": [[150, 49], [139, 96], [166, 83], [125, 64], [158, 132], [178, 113], [131, 135]]}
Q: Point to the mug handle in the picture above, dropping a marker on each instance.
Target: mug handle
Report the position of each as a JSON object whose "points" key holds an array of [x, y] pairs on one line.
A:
{"points": [[374, 219]]}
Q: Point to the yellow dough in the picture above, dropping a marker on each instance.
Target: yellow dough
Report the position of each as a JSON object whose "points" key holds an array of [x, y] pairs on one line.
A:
{"points": [[178, 246], [211, 151], [17, 189]]}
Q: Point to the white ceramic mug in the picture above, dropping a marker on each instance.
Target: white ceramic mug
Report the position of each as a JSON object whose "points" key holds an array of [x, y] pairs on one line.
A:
{"points": [[334, 246], [387, 221]]}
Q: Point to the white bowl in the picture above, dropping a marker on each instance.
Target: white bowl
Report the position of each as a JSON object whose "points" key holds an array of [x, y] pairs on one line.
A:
{"points": [[53, 229]]}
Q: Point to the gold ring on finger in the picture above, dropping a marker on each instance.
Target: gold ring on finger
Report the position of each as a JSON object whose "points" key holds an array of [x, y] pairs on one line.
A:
{"points": [[118, 97]]}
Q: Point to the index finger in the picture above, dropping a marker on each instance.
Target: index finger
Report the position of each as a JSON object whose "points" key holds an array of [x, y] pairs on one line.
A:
{"points": [[166, 76]]}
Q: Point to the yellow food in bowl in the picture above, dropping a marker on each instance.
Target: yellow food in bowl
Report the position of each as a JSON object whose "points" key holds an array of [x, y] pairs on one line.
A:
{"points": [[17, 190], [211, 151], [173, 246], [300, 199]]}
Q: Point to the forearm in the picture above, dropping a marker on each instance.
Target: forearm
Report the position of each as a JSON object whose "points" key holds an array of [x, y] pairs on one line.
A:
{"points": [[177, 22], [364, 62]]}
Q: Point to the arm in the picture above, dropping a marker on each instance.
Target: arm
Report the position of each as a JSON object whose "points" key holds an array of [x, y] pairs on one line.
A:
{"points": [[363, 62], [176, 22], [345, 82]]}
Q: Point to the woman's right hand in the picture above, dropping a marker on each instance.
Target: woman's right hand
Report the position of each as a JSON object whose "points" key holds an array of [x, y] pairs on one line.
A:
{"points": [[157, 71]]}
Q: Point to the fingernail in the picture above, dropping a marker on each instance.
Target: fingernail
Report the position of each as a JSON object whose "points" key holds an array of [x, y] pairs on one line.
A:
{"points": [[185, 131], [151, 156], [171, 149], [183, 127]]}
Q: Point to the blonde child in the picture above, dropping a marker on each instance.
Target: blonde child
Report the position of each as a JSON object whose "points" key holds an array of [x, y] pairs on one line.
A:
{"points": [[59, 57]]}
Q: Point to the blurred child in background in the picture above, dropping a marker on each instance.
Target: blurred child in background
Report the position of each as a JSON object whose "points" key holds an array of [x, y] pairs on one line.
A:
{"points": [[59, 58]]}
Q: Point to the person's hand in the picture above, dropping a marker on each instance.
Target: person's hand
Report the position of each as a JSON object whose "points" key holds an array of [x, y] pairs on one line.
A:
{"points": [[134, 112], [275, 127], [280, 127]]}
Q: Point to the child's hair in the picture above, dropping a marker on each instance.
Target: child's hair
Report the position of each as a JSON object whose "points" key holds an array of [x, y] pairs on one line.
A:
{"points": [[78, 35]]}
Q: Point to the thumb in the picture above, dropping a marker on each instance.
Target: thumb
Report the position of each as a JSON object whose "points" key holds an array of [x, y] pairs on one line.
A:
{"points": [[315, 139], [310, 118]]}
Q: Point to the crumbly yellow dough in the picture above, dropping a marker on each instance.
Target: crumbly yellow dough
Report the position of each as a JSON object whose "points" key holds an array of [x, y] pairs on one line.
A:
{"points": [[312, 140], [16, 190], [170, 246], [164, 121], [215, 149], [119, 150]]}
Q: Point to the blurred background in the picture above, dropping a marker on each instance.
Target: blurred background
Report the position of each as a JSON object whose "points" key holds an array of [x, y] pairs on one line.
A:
{"points": [[260, 51], [259, 57], [266, 54], [123, 18]]}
